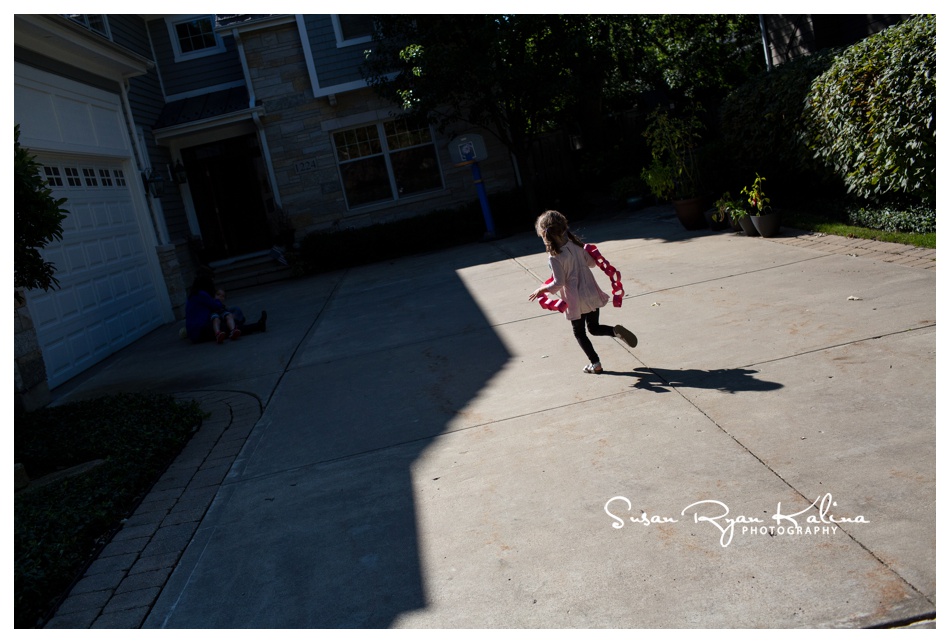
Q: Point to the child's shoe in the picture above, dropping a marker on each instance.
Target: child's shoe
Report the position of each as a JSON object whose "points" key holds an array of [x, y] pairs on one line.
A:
{"points": [[594, 368], [626, 336], [236, 334], [220, 337]]}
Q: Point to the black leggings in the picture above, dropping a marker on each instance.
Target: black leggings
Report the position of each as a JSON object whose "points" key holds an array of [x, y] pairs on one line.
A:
{"points": [[592, 321]]}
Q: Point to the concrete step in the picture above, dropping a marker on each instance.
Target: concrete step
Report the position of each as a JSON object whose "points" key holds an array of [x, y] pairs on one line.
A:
{"points": [[249, 271]]}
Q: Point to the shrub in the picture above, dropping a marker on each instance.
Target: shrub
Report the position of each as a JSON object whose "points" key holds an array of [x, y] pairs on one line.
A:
{"points": [[59, 526], [872, 115], [920, 219], [761, 124], [37, 221], [336, 249]]}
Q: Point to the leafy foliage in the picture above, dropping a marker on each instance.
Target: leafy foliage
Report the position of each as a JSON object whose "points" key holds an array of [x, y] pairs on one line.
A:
{"points": [[693, 57], [37, 221], [59, 525], [921, 219], [755, 196], [872, 115], [728, 209], [673, 140], [761, 124], [519, 76]]}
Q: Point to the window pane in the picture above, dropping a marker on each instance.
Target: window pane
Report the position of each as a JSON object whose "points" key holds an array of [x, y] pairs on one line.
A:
{"points": [[356, 26], [401, 134], [52, 175], [366, 181], [357, 143], [416, 170], [72, 177], [195, 35]]}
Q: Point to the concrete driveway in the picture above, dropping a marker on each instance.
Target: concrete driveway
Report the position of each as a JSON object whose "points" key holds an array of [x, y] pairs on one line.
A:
{"points": [[426, 452]]}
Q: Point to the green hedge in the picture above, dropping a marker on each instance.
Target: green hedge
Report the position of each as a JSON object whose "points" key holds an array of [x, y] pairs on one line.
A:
{"points": [[761, 126], [872, 115], [922, 219], [335, 249]]}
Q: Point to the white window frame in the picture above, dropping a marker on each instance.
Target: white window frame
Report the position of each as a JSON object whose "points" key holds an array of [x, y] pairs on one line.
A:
{"points": [[386, 152], [83, 19], [172, 22], [338, 31]]}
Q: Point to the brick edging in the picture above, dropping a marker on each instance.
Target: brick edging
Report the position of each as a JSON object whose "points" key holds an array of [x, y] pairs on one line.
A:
{"points": [[120, 587]]}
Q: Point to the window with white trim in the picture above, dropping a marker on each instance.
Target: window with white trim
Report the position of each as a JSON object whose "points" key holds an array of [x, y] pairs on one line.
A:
{"points": [[53, 177], [387, 161], [194, 37], [92, 22], [352, 29]]}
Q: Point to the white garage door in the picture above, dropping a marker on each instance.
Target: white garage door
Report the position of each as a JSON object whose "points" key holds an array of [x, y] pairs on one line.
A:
{"points": [[107, 298]]}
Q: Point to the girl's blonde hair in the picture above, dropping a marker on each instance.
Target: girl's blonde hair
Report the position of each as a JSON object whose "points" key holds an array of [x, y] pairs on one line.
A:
{"points": [[551, 226]]}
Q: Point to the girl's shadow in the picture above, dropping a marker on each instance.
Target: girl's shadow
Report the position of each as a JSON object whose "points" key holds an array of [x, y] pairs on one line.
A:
{"points": [[727, 380]]}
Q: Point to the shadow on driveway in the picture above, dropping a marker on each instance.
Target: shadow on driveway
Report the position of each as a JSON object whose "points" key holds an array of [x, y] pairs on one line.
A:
{"points": [[726, 380]]}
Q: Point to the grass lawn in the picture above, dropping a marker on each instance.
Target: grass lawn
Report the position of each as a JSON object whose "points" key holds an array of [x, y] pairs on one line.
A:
{"points": [[805, 219], [127, 441]]}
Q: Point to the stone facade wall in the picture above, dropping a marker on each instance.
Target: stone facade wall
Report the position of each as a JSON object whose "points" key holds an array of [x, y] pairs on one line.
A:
{"points": [[298, 128], [174, 282], [29, 370]]}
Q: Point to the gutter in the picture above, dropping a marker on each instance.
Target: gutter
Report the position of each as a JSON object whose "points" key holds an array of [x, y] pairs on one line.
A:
{"points": [[256, 110]]}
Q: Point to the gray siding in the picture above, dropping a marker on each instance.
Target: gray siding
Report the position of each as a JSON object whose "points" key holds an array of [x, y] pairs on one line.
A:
{"points": [[129, 31], [193, 75], [334, 65]]}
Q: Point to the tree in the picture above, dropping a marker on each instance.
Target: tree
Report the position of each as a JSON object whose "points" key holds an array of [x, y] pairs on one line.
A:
{"points": [[696, 57], [522, 75], [38, 220], [514, 75]]}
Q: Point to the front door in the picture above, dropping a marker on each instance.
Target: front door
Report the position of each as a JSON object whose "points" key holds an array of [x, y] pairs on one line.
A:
{"points": [[226, 191]]}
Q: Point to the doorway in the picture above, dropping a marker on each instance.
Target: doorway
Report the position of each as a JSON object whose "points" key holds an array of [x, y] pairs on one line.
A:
{"points": [[228, 196]]}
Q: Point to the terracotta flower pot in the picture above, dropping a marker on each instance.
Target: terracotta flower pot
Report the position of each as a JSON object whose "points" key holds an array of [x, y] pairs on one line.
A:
{"points": [[690, 213]]}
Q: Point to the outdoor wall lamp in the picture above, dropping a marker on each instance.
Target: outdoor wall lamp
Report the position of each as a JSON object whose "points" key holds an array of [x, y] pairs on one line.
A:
{"points": [[154, 183], [181, 176]]}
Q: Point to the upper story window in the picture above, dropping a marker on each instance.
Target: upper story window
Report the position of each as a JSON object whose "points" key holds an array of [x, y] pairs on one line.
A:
{"points": [[352, 29], [193, 37], [97, 23]]}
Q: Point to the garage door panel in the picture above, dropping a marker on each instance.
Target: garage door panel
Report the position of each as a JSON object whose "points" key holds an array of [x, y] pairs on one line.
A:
{"points": [[107, 296], [75, 256], [74, 119]]}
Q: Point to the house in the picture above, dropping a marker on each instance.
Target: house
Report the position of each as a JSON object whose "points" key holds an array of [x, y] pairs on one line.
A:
{"points": [[182, 140], [787, 36]]}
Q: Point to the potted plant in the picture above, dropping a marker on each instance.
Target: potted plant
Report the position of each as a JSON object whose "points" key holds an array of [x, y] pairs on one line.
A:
{"points": [[673, 173], [766, 221], [733, 212]]}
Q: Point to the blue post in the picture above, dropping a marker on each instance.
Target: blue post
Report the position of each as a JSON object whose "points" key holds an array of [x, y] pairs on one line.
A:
{"points": [[483, 198]]}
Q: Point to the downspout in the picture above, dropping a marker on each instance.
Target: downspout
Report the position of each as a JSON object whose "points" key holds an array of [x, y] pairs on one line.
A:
{"points": [[255, 116], [765, 42], [158, 222]]}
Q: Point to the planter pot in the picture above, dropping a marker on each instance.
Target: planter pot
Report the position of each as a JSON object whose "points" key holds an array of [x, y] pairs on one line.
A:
{"points": [[767, 225], [690, 213], [712, 223], [748, 227]]}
